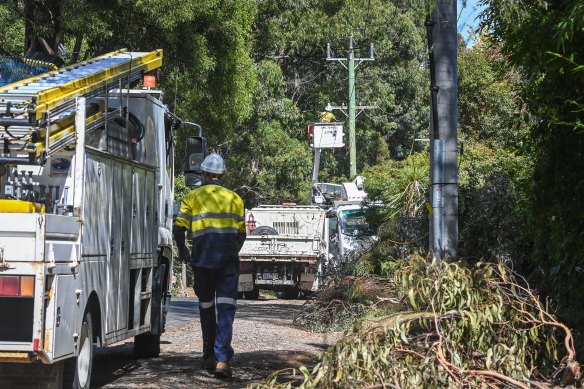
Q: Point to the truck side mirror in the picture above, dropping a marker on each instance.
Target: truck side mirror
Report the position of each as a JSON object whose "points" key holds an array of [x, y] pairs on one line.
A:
{"points": [[195, 153], [333, 224]]}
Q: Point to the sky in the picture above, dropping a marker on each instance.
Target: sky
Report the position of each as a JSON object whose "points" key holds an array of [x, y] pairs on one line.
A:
{"points": [[467, 16]]}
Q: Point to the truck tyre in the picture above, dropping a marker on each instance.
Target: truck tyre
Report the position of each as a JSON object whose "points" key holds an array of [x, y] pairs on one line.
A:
{"points": [[264, 230], [253, 295], [77, 370]]}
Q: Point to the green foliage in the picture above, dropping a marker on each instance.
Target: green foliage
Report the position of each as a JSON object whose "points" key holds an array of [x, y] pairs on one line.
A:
{"points": [[492, 201], [401, 222], [180, 188], [295, 36], [489, 110], [272, 164], [208, 69], [11, 39], [215, 53], [544, 40], [459, 324]]}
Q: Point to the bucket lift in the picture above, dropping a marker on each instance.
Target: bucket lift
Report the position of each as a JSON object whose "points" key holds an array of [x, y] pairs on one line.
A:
{"points": [[37, 114]]}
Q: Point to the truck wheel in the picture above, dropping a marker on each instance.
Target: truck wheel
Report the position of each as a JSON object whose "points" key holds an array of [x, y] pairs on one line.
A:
{"points": [[264, 230], [253, 295], [240, 295], [77, 373]]}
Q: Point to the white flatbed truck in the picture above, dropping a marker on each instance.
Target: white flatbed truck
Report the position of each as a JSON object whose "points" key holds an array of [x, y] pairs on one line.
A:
{"points": [[283, 251]]}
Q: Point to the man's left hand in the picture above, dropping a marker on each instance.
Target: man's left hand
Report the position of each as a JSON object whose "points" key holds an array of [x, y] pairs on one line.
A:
{"points": [[184, 255]]}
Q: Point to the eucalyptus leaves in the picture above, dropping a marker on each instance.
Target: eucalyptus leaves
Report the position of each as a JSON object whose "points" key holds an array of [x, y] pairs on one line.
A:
{"points": [[456, 327]]}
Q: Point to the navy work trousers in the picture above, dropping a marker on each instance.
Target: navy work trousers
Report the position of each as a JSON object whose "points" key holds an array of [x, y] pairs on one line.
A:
{"points": [[217, 293]]}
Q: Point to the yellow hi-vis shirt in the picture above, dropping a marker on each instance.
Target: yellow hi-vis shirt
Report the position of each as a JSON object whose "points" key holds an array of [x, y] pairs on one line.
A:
{"points": [[215, 217]]}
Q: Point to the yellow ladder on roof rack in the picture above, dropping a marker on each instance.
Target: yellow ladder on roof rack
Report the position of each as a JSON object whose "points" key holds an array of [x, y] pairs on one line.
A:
{"points": [[43, 105], [50, 91]]}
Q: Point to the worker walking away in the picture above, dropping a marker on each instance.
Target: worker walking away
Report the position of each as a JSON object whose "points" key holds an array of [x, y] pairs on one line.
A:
{"points": [[215, 217]]}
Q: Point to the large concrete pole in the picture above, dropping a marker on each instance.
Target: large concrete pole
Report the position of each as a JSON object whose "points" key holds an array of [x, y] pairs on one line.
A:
{"points": [[442, 39]]}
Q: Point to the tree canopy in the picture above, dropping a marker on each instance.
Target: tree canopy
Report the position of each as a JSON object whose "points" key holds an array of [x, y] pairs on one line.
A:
{"points": [[543, 40], [254, 73]]}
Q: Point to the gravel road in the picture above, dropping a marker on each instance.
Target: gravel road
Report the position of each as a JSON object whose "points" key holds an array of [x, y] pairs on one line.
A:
{"points": [[265, 339]]}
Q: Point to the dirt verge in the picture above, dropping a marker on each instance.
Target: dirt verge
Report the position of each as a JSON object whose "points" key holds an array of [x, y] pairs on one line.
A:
{"points": [[265, 339]]}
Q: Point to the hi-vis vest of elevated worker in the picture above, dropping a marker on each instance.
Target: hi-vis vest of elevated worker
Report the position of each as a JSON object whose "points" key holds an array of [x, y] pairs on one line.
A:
{"points": [[86, 185]]}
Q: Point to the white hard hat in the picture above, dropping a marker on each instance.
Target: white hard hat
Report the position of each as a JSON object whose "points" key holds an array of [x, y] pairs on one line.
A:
{"points": [[213, 164]]}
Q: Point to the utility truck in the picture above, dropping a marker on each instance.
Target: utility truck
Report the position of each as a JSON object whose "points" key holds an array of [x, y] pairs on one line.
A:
{"points": [[348, 233], [291, 249], [283, 250], [86, 194]]}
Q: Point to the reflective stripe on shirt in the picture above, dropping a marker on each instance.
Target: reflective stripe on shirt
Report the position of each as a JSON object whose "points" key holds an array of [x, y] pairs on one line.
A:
{"points": [[223, 230], [214, 215]]}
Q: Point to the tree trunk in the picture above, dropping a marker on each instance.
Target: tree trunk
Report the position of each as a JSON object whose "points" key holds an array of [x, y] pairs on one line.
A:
{"points": [[77, 48], [29, 24], [42, 19]]}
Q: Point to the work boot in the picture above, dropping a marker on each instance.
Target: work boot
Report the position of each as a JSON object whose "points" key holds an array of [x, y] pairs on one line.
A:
{"points": [[209, 364], [223, 371]]}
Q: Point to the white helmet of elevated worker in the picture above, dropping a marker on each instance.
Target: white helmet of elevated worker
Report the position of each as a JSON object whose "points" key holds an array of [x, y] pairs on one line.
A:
{"points": [[213, 164]]}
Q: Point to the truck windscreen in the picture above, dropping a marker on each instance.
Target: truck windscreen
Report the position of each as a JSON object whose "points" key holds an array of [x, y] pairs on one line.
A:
{"points": [[354, 223]]}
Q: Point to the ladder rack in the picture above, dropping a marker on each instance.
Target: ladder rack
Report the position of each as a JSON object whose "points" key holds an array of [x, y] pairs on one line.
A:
{"points": [[41, 107]]}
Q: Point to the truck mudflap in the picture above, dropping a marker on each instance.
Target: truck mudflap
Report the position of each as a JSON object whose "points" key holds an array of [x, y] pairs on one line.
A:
{"points": [[245, 283], [307, 282]]}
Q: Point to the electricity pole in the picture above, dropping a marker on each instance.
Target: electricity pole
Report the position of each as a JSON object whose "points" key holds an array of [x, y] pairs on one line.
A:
{"points": [[442, 45], [351, 116]]}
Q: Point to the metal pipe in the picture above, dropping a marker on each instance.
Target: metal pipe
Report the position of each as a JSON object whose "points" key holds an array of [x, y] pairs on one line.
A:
{"points": [[195, 125], [14, 122], [352, 103], [16, 161], [316, 166]]}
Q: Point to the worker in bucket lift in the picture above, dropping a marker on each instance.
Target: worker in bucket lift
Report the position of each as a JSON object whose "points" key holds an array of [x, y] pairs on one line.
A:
{"points": [[215, 217], [326, 117]]}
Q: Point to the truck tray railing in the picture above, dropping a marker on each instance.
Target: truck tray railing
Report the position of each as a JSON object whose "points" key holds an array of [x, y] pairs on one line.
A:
{"points": [[36, 113]]}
